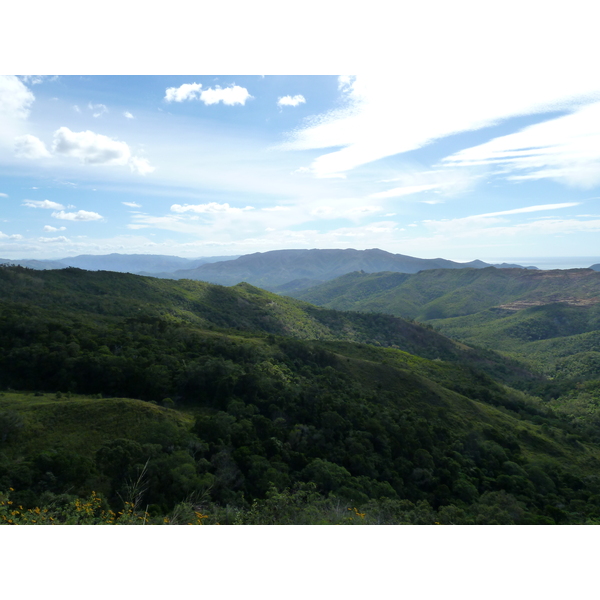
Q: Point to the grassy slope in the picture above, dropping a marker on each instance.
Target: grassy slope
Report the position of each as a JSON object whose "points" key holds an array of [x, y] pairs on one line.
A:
{"points": [[81, 423]]}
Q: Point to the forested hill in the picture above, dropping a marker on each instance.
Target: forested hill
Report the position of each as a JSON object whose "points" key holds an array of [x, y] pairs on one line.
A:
{"points": [[247, 407], [304, 268], [548, 319], [440, 293], [241, 308]]}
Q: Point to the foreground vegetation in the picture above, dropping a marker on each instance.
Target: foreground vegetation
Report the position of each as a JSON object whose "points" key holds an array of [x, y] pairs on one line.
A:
{"points": [[150, 401]]}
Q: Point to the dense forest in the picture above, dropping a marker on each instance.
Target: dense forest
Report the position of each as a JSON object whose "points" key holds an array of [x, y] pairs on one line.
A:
{"points": [[129, 399]]}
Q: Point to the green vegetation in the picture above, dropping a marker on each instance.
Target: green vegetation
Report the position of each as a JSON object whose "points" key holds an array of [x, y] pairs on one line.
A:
{"points": [[147, 400], [546, 320]]}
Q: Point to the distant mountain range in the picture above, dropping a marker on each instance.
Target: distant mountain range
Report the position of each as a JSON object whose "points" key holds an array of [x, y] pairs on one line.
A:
{"points": [[281, 271], [284, 271], [121, 263]]}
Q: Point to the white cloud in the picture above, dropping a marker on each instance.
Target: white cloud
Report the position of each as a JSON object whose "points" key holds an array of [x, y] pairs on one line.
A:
{"points": [[187, 91], [80, 215], [231, 95], [95, 148], [4, 236], [29, 146], [15, 97], [291, 100], [128, 115], [90, 147], [431, 97], [474, 225], [566, 149], [43, 204], [140, 165], [345, 83], [50, 229], [99, 109], [528, 209], [53, 240], [76, 108], [132, 204], [2, 195], [211, 207]]}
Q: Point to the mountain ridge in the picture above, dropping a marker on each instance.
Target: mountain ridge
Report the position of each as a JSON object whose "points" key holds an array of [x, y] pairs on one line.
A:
{"points": [[270, 270]]}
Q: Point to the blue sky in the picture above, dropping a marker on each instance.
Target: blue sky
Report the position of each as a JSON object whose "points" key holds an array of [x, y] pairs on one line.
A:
{"points": [[488, 146]]}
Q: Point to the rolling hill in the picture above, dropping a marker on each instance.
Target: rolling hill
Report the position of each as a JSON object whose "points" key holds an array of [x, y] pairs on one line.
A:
{"points": [[550, 319], [263, 409]]}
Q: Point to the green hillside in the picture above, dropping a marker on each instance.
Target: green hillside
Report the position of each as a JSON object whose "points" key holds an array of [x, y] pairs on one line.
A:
{"points": [[542, 318], [252, 408], [447, 293]]}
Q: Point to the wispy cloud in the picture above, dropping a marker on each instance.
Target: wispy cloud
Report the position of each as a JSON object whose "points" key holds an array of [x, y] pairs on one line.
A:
{"points": [[211, 207], [427, 101], [80, 215], [528, 209], [43, 204], [51, 229], [54, 240], [474, 225], [37, 79], [98, 109], [566, 149], [5, 236], [132, 204], [405, 191], [128, 115]]}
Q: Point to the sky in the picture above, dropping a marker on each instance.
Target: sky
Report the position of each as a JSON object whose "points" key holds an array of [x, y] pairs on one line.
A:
{"points": [[463, 142]]}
